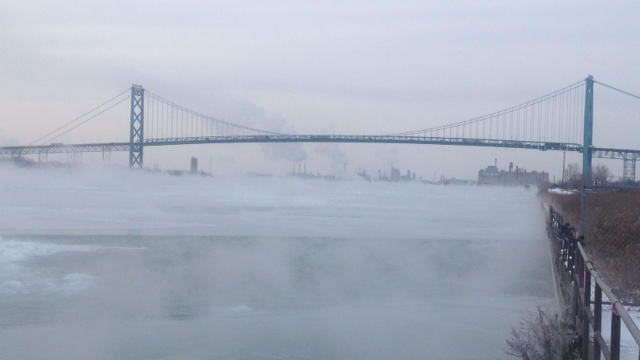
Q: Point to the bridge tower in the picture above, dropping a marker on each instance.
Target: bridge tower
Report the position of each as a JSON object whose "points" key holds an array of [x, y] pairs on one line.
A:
{"points": [[587, 145], [628, 169], [136, 127]]}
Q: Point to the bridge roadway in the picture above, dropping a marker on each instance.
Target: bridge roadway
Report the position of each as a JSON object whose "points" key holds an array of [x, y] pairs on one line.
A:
{"points": [[609, 153]]}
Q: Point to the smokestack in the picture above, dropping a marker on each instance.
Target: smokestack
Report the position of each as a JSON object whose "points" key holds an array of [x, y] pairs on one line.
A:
{"points": [[194, 165]]}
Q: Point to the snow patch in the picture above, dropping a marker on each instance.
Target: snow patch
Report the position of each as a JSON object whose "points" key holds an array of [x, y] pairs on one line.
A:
{"points": [[560, 191]]}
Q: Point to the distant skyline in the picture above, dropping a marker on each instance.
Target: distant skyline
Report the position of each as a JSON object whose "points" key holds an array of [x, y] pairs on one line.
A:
{"points": [[318, 67]]}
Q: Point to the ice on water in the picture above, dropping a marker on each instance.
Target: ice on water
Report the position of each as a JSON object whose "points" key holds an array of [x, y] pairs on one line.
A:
{"points": [[103, 263]]}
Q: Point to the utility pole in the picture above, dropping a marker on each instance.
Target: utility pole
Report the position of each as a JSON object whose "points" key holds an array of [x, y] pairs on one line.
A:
{"points": [[586, 155]]}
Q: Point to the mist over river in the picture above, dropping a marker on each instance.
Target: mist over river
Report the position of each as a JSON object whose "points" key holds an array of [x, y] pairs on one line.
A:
{"points": [[107, 263]]}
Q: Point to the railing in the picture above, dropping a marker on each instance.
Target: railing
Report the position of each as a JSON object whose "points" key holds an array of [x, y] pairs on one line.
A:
{"points": [[576, 270]]}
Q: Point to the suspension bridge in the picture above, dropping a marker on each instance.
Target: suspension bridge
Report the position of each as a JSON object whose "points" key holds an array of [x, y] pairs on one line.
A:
{"points": [[561, 120]]}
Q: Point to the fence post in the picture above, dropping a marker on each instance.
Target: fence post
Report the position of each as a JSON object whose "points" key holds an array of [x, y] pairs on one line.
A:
{"points": [[576, 285], [615, 334], [566, 246], [585, 313], [578, 278], [597, 320]]}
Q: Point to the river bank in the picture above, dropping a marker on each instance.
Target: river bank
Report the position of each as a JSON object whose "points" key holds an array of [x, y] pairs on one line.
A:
{"points": [[613, 237]]}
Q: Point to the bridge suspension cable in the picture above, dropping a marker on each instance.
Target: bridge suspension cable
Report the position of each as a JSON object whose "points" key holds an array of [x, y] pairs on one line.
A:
{"points": [[165, 119], [82, 118], [618, 90], [554, 117]]}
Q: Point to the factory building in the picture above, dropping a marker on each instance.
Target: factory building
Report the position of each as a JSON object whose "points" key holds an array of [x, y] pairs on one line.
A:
{"points": [[518, 176]]}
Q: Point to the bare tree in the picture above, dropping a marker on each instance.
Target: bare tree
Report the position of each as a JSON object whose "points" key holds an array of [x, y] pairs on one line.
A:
{"points": [[601, 174], [543, 337], [573, 175]]}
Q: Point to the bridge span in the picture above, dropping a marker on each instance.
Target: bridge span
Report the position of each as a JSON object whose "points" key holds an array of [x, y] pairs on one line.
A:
{"points": [[604, 153], [302, 138], [561, 120]]}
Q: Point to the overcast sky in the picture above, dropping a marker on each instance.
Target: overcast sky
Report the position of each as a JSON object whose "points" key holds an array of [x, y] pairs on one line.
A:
{"points": [[323, 66]]}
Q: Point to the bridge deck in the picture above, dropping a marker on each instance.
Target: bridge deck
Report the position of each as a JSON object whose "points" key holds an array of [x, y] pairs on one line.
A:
{"points": [[377, 139], [610, 153]]}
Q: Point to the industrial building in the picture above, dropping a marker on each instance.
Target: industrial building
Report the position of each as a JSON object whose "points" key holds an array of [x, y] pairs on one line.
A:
{"points": [[518, 176]]}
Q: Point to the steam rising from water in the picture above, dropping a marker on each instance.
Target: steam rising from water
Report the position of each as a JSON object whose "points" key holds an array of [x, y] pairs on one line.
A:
{"points": [[107, 263]]}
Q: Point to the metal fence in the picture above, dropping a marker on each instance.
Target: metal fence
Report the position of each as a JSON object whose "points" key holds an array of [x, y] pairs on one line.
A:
{"points": [[584, 295]]}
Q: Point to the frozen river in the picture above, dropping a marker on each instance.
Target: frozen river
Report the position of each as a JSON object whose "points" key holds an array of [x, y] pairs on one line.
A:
{"points": [[110, 264]]}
